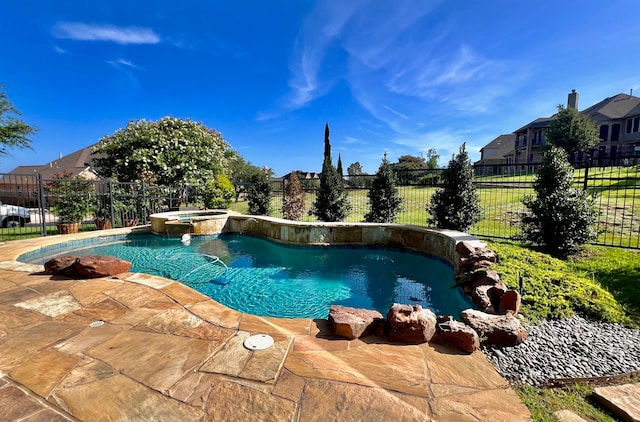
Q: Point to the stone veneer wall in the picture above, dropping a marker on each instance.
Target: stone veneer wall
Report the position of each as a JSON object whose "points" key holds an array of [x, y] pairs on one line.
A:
{"points": [[436, 242]]}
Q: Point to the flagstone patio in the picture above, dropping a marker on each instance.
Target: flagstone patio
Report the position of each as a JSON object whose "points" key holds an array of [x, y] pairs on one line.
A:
{"points": [[167, 352]]}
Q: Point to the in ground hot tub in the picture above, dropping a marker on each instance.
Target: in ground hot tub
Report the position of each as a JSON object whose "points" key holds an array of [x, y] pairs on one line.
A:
{"points": [[176, 223]]}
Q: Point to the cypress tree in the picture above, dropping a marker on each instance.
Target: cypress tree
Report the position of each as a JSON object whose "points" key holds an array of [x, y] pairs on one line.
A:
{"points": [[560, 218], [259, 195], [383, 196], [332, 202], [456, 205]]}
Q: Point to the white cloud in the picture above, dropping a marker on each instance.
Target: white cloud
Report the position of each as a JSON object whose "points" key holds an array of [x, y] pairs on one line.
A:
{"points": [[110, 33]]}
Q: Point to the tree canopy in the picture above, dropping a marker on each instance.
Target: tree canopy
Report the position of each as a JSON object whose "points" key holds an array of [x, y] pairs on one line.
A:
{"points": [[572, 131], [169, 151], [14, 133], [243, 171]]}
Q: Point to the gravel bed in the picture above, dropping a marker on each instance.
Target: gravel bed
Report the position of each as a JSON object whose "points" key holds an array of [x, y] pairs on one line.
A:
{"points": [[568, 348]]}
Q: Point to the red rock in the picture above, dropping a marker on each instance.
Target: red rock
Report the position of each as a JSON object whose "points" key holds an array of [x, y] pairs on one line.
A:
{"points": [[410, 324], [481, 264], [100, 266], [480, 297], [490, 277], [353, 323], [510, 302], [465, 248], [456, 334], [62, 265], [504, 330]]}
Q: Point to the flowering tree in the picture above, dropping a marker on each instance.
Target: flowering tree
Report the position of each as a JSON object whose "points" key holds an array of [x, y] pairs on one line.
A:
{"points": [[169, 151]]}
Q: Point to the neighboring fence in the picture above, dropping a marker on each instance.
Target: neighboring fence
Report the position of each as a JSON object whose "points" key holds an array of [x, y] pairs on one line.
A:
{"points": [[501, 190], [29, 203]]}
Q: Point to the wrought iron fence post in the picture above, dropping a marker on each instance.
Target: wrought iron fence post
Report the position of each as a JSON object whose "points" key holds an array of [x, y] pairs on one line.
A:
{"points": [[111, 210], [43, 223], [283, 187], [586, 173]]}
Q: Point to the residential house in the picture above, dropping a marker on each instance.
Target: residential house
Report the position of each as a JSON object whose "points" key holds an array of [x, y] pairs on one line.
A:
{"points": [[495, 155], [20, 185], [618, 122]]}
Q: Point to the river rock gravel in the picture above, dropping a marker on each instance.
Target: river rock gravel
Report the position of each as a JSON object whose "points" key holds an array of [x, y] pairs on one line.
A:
{"points": [[568, 348]]}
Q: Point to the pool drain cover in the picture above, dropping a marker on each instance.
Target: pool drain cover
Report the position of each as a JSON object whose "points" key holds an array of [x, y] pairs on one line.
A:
{"points": [[259, 342], [96, 324]]}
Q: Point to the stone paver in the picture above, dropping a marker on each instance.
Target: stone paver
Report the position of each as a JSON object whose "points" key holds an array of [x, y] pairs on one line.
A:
{"points": [[161, 351], [623, 400]]}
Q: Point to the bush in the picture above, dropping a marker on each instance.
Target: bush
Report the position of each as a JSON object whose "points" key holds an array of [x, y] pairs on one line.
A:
{"points": [[73, 197], [456, 205], [383, 196], [259, 195], [560, 218], [293, 200], [553, 288], [218, 192]]}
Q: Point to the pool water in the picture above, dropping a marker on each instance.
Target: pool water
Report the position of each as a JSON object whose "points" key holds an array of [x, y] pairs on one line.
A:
{"points": [[260, 277]]}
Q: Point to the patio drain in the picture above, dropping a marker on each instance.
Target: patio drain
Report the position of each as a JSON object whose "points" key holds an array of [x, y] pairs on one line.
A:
{"points": [[259, 342]]}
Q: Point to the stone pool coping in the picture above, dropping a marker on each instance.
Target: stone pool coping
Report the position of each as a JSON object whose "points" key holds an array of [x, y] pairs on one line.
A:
{"points": [[167, 352]]}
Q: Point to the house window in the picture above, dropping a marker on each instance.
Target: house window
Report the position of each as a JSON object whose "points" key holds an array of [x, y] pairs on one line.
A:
{"points": [[614, 150], [633, 125], [604, 132], [615, 132]]}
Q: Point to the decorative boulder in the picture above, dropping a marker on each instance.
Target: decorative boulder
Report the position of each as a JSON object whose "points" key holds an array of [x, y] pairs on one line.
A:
{"points": [[503, 330], [456, 334], [485, 277], [62, 265], [86, 266], [510, 302], [410, 324], [488, 297], [353, 323], [471, 256], [100, 266]]}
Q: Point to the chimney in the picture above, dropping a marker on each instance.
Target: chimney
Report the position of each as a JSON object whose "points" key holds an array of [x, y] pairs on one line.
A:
{"points": [[572, 101]]}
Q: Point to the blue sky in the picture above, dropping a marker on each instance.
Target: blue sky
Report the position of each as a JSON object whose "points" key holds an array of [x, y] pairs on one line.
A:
{"points": [[394, 76]]}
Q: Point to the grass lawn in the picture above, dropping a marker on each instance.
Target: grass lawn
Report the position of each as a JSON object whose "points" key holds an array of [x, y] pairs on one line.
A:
{"points": [[600, 282], [542, 402]]}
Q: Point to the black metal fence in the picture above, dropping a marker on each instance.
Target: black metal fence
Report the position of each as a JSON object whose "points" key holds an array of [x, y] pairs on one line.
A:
{"points": [[616, 189]]}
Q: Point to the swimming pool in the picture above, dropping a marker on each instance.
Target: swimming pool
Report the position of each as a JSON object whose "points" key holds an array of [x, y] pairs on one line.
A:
{"points": [[265, 278]]}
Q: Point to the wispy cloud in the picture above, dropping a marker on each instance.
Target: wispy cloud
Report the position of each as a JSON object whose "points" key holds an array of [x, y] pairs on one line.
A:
{"points": [[110, 33], [123, 62], [126, 67], [58, 49], [407, 65], [352, 141]]}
